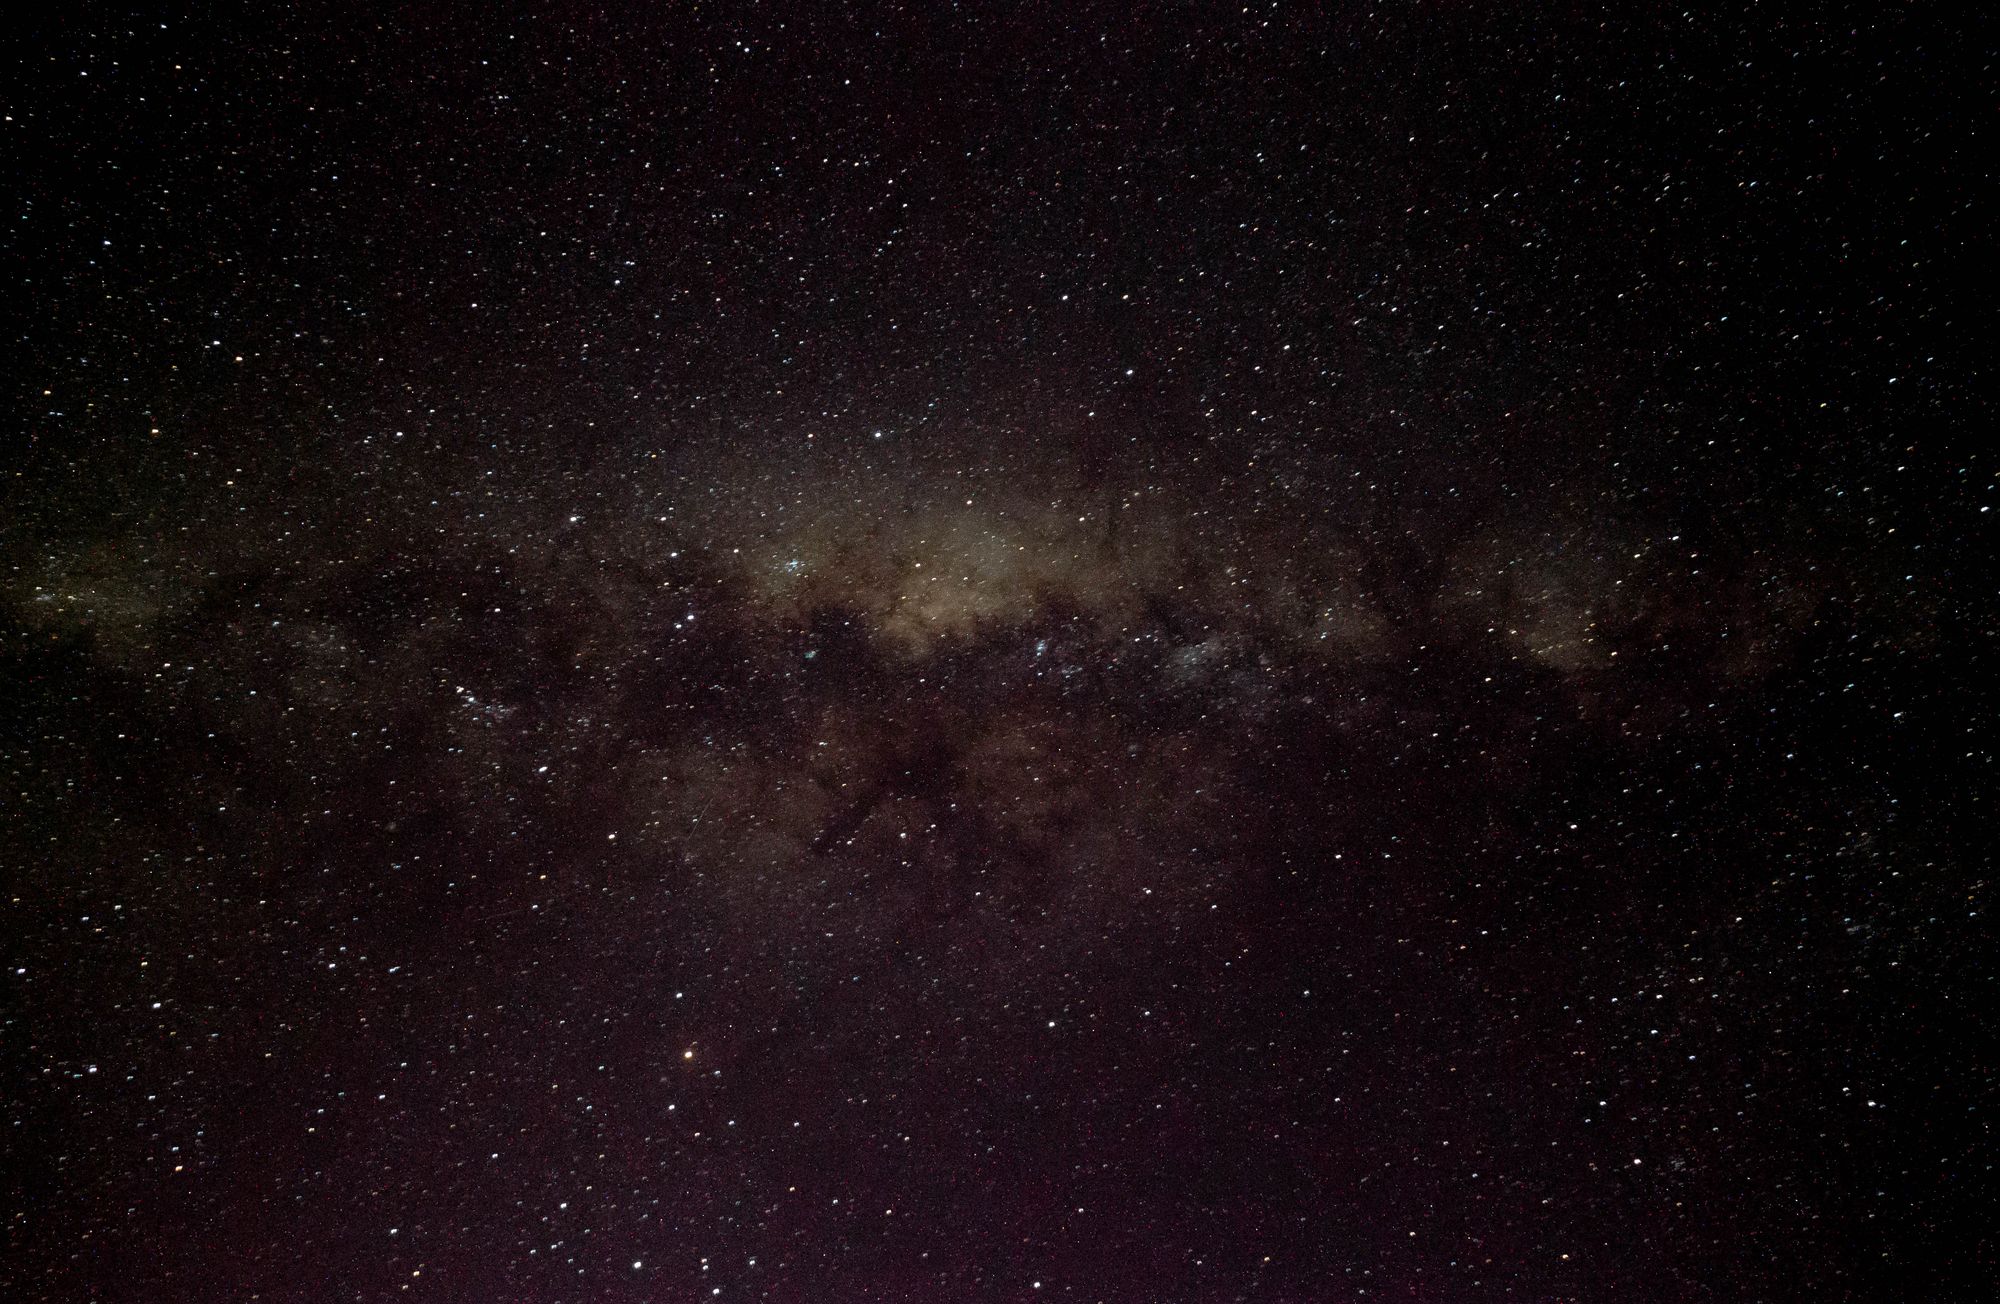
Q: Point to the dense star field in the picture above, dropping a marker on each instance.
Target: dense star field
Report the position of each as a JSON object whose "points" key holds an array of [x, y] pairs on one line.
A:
{"points": [[996, 653]]}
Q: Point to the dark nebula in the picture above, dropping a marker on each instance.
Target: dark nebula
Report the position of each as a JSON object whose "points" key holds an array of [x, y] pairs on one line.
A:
{"points": [[989, 652]]}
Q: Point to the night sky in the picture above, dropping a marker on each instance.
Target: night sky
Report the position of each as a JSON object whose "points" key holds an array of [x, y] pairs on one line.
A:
{"points": [[1095, 652]]}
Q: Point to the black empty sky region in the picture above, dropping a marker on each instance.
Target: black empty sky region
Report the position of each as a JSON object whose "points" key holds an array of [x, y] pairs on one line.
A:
{"points": [[1150, 653]]}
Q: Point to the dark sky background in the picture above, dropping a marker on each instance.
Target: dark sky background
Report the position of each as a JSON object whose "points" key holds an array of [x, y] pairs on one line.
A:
{"points": [[1099, 652]]}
